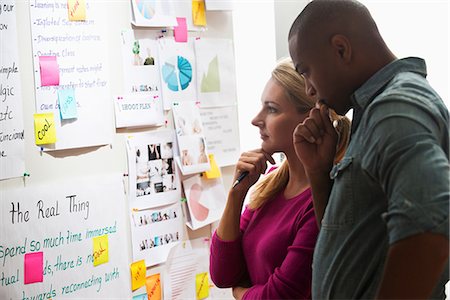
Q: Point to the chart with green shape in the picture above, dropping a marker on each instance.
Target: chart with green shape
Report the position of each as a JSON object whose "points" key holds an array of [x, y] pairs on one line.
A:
{"points": [[177, 73], [211, 80]]}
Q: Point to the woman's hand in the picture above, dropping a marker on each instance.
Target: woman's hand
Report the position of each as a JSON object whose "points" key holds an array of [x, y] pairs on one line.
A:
{"points": [[238, 292], [255, 163]]}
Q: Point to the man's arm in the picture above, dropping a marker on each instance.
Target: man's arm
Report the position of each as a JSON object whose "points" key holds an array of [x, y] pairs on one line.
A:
{"points": [[413, 267], [315, 145]]}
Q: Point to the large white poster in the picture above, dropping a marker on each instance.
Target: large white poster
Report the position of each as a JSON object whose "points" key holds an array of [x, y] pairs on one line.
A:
{"points": [[57, 241], [12, 153], [70, 67]]}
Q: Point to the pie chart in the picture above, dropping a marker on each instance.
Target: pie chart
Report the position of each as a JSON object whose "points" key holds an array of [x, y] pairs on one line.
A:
{"points": [[177, 73], [146, 8], [199, 211]]}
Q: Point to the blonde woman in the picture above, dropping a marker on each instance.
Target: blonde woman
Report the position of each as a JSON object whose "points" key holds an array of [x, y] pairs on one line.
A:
{"points": [[266, 253]]}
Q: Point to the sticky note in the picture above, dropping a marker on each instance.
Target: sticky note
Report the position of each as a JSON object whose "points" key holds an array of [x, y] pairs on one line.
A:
{"points": [[201, 285], [214, 172], [44, 129], [49, 68], [180, 31], [67, 104], [153, 285], [138, 274], [33, 267], [100, 249], [140, 297], [198, 12], [77, 10]]}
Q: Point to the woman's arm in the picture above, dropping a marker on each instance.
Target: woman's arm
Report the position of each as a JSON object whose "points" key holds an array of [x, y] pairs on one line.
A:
{"points": [[292, 280]]}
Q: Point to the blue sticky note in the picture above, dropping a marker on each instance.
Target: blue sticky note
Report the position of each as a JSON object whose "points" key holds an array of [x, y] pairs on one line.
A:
{"points": [[67, 104], [140, 297]]}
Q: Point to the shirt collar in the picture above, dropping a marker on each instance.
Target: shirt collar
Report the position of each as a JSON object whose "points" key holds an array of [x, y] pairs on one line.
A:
{"points": [[365, 93]]}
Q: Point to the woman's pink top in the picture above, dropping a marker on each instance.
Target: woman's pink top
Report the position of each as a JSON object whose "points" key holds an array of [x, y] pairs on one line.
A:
{"points": [[274, 252]]}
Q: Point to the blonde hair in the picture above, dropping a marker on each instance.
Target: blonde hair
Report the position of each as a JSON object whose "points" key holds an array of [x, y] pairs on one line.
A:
{"points": [[294, 86]]}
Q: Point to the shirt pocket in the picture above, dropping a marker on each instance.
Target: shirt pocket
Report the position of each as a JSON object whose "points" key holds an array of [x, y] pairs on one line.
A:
{"points": [[339, 211]]}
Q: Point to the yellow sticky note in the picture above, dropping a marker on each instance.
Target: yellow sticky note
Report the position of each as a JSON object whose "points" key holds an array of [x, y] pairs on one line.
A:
{"points": [[153, 285], [214, 172], [100, 250], [77, 10], [138, 274], [202, 285], [198, 12], [44, 129]]}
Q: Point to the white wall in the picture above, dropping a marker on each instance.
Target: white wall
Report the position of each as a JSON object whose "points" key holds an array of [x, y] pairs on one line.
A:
{"points": [[254, 38], [417, 28]]}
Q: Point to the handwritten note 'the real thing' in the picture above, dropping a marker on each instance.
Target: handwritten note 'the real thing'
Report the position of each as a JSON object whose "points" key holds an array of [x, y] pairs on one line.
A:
{"points": [[44, 129], [138, 274]]}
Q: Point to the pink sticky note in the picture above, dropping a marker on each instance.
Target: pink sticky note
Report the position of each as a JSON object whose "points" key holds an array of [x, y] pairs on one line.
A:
{"points": [[34, 267], [180, 31], [49, 70]]}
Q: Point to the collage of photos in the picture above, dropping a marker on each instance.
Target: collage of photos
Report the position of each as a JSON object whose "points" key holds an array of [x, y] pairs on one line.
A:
{"points": [[155, 169], [147, 218]]}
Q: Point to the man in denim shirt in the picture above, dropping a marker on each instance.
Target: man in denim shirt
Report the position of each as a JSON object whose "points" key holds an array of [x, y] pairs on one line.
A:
{"points": [[383, 210]]}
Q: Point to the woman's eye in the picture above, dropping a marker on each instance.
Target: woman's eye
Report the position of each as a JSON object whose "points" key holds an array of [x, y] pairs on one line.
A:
{"points": [[271, 109]]}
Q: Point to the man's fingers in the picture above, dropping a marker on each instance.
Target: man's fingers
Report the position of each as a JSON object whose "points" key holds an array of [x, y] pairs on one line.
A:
{"points": [[325, 117]]}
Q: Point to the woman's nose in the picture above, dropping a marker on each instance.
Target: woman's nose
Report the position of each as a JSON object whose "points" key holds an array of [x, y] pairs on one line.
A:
{"points": [[257, 121]]}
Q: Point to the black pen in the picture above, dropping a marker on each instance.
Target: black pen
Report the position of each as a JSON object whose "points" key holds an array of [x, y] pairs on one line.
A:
{"points": [[239, 179]]}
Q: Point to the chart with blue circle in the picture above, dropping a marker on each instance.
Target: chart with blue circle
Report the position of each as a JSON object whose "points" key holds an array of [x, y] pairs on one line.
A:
{"points": [[177, 73], [146, 8]]}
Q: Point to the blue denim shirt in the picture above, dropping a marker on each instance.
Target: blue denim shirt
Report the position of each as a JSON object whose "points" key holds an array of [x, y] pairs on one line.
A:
{"points": [[392, 183]]}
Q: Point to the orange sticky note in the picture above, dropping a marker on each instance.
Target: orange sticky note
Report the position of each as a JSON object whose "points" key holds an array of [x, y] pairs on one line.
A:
{"points": [[49, 70], [33, 267], [214, 172], [153, 285], [77, 10], [201, 286], [44, 129], [198, 12], [138, 274], [180, 31], [100, 250]]}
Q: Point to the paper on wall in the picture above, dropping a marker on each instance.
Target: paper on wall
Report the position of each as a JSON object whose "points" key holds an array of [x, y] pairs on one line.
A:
{"points": [[192, 146], [62, 220], [178, 71], [81, 52], [221, 129], [206, 199], [216, 79], [12, 147]]}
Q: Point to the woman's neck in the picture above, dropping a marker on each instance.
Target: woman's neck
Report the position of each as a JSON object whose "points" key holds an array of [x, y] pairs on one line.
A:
{"points": [[298, 182]]}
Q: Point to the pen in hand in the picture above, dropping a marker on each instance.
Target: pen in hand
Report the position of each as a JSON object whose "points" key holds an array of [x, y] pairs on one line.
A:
{"points": [[239, 179]]}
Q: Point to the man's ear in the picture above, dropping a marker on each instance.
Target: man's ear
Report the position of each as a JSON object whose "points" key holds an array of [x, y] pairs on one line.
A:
{"points": [[342, 47]]}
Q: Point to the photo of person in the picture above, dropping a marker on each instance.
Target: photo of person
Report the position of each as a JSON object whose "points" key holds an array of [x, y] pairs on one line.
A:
{"points": [[202, 158], [142, 175], [154, 151], [167, 150], [186, 158]]}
